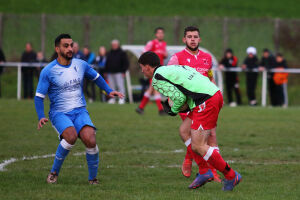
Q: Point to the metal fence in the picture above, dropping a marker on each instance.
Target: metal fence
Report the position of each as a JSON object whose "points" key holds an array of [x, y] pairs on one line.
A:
{"points": [[130, 87]]}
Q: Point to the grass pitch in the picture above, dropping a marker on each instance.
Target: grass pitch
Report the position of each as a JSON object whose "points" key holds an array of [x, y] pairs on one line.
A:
{"points": [[141, 156]]}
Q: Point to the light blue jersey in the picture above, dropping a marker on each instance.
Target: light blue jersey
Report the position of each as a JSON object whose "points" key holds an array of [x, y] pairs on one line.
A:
{"points": [[64, 84]]}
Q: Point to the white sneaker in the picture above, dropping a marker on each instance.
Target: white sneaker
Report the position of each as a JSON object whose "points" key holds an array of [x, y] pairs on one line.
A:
{"points": [[121, 101], [91, 100], [232, 104], [111, 101]]}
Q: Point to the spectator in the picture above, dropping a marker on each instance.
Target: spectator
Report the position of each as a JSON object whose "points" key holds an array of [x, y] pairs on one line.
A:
{"points": [[231, 78], [41, 59], [250, 64], [116, 66], [267, 63], [28, 56], [89, 57], [76, 52], [280, 80], [2, 60], [100, 62]]}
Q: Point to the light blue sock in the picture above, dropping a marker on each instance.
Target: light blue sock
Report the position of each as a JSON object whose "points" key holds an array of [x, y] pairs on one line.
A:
{"points": [[61, 153], [92, 158]]}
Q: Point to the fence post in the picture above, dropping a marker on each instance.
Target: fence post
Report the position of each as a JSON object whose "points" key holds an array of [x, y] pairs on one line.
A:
{"points": [[1, 28], [129, 86], [177, 31], [276, 34], [219, 79], [43, 32], [225, 33], [19, 82], [86, 21], [264, 89], [130, 34]]}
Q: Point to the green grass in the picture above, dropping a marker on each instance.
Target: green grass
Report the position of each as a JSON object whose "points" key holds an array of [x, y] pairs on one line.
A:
{"points": [[138, 159], [233, 8]]}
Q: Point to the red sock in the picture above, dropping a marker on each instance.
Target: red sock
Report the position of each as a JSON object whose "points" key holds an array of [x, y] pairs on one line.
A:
{"points": [[158, 104], [214, 158], [144, 102], [189, 154], [202, 164]]}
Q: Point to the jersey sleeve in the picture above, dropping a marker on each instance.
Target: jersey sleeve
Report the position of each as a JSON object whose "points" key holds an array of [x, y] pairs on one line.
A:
{"points": [[148, 46], [173, 60], [43, 84], [90, 73], [171, 91]]}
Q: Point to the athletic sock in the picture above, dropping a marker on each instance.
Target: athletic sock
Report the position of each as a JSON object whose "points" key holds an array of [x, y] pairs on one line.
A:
{"points": [[202, 164], [62, 151], [188, 154], [92, 159], [144, 101], [214, 158], [158, 102]]}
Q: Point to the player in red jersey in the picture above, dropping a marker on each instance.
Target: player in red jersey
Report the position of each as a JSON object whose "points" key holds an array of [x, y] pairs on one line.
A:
{"points": [[158, 46], [202, 62]]}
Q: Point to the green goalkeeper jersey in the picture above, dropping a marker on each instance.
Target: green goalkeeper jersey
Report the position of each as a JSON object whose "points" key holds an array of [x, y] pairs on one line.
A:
{"points": [[183, 84]]}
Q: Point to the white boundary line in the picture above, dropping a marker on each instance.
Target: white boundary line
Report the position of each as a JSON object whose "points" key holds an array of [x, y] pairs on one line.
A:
{"points": [[13, 160]]}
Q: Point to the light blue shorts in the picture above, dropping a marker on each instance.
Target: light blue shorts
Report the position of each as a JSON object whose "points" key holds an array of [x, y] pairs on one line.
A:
{"points": [[78, 118]]}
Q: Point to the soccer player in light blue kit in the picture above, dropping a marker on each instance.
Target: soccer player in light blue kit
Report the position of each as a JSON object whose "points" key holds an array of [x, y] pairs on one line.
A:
{"points": [[62, 80]]}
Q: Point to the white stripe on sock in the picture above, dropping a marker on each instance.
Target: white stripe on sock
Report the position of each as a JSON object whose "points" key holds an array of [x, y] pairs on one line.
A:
{"points": [[208, 153], [94, 150], [66, 145], [188, 142]]}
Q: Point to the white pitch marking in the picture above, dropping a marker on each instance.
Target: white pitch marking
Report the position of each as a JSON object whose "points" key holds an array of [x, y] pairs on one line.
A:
{"points": [[6, 162], [12, 160]]}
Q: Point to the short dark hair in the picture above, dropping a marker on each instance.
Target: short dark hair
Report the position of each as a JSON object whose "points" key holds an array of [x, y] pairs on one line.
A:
{"points": [[61, 36], [190, 28], [149, 58], [279, 54], [159, 28], [266, 50]]}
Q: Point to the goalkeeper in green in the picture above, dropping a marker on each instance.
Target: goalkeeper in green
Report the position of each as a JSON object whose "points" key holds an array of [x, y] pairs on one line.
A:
{"points": [[184, 85]]}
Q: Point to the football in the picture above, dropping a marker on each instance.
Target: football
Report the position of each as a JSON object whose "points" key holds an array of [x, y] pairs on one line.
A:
{"points": [[183, 107]]}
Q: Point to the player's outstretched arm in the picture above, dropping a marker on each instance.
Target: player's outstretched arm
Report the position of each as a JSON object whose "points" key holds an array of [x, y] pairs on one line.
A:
{"points": [[42, 122], [116, 94], [39, 107]]}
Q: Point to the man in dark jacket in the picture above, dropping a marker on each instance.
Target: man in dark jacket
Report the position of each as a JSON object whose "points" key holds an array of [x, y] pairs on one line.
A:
{"points": [[116, 66], [268, 63], [2, 60], [251, 63], [231, 78], [28, 56]]}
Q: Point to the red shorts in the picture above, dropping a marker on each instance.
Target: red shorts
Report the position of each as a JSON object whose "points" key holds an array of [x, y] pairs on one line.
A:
{"points": [[205, 116]]}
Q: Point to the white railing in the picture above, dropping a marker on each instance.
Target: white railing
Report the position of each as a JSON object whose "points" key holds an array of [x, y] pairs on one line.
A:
{"points": [[217, 73]]}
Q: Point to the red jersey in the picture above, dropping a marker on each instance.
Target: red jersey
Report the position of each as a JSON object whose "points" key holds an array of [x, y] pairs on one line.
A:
{"points": [[202, 62], [158, 47]]}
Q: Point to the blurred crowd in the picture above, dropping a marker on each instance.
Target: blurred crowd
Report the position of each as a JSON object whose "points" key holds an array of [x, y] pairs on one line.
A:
{"points": [[113, 64], [276, 80]]}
